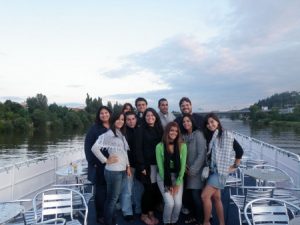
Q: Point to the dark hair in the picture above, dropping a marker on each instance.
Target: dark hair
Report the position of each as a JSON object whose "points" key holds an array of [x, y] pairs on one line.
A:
{"points": [[125, 106], [184, 99], [194, 126], [129, 113], [157, 123], [161, 100], [165, 138], [208, 134], [140, 99], [115, 117], [97, 119]]}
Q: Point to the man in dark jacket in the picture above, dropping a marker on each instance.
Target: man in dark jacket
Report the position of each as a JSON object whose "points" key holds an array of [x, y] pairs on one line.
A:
{"points": [[132, 189], [141, 106]]}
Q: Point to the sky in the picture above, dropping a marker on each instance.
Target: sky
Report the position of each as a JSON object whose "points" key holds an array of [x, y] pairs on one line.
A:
{"points": [[223, 55]]}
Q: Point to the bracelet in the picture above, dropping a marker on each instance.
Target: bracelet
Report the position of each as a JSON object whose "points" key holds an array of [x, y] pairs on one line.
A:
{"points": [[235, 165]]}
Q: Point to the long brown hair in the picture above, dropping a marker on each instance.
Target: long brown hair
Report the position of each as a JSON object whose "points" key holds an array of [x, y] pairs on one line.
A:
{"points": [[178, 140]]}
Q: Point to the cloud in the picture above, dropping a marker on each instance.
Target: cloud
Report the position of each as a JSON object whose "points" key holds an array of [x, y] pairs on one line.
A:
{"points": [[256, 56], [74, 86]]}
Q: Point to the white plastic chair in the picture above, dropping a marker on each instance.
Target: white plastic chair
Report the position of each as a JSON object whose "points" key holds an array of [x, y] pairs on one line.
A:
{"points": [[55, 203], [266, 211]]}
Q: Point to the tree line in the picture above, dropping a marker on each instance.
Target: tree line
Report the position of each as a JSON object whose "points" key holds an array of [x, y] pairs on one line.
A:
{"points": [[36, 114], [275, 104]]}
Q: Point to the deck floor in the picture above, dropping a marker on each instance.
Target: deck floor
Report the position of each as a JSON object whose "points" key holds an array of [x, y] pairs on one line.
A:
{"points": [[230, 212]]}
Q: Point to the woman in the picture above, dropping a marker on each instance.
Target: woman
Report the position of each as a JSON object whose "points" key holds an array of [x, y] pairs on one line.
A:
{"points": [[127, 107], [148, 135], [171, 161], [95, 167], [196, 148], [221, 143], [115, 173]]}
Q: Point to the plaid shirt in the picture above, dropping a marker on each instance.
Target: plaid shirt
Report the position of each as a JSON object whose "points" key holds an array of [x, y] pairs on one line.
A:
{"points": [[222, 153]]}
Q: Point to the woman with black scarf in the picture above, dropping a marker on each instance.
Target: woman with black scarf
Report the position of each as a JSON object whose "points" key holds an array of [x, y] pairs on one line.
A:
{"points": [[171, 156]]}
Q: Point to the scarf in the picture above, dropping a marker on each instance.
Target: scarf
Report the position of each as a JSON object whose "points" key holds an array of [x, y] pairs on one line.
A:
{"points": [[167, 160], [222, 152]]}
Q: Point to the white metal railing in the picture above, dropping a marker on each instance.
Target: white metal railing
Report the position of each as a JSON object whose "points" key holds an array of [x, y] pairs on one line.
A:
{"points": [[23, 179], [283, 159]]}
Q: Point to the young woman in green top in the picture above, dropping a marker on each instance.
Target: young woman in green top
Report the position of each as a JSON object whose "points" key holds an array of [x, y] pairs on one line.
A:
{"points": [[171, 162]]}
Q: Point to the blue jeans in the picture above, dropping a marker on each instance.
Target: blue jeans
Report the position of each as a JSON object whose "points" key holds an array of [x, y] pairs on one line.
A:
{"points": [[114, 182], [131, 194]]}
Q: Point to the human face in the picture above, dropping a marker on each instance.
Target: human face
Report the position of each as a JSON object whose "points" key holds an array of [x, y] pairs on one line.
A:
{"points": [[131, 121], [141, 106], [212, 124], [104, 116], [187, 124], [119, 122], [173, 133], [150, 119], [163, 107], [186, 107]]}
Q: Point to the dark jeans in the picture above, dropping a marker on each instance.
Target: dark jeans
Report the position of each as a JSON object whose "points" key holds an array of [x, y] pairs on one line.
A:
{"points": [[114, 182]]}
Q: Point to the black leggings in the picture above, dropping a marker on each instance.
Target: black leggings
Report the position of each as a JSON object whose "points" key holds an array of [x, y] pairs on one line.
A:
{"points": [[151, 198]]}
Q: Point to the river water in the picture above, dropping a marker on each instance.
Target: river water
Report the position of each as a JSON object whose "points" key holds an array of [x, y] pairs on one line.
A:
{"points": [[15, 148]]}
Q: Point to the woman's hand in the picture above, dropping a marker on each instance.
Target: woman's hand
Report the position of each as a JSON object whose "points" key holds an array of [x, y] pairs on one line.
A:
{"points": [[231, 169], [128, 171], [174, 189], [112, 159], [144, 172]]}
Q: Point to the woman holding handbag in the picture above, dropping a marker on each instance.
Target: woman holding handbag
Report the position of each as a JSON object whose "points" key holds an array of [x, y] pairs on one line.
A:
{"points": [[222, 146]]}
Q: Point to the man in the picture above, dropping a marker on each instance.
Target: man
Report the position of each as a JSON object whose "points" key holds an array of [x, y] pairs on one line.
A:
{"points": [[164, 114], [185, 105], [141, 106], [132, 189]]}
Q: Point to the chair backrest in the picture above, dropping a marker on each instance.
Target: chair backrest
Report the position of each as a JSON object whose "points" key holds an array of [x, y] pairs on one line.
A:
{"points": [[258, 192], [274, 168], [57, 202], [268, 211]]}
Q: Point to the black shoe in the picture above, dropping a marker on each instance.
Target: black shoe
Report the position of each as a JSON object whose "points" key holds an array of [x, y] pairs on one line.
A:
{"points": [[129, 218]]}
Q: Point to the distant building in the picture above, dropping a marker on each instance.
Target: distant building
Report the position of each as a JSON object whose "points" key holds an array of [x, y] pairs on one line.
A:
{"points": [[286, 110], [265, 108]]}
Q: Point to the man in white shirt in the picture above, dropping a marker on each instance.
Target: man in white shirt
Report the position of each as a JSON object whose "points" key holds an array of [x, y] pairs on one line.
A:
{"points": [[164, 114]]}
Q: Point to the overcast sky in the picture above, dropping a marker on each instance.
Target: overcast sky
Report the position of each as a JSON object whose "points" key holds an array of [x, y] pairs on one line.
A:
{"points": [[222, 54]]}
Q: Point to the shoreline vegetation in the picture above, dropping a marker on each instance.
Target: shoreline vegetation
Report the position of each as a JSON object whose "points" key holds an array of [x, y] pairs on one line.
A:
{"points": [[278, 110], [36, 115]]}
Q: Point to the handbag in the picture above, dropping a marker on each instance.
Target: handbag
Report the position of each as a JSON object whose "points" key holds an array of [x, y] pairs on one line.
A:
{"points": [[205, 173], [206, 169]]}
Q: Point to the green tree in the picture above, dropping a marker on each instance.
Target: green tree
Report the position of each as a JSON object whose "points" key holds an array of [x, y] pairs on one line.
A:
{"points": [[39, 119], [92, 105], [39, 102]]}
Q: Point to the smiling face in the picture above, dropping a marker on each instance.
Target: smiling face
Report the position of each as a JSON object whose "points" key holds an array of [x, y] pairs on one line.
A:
{"points": [[119, 123], [186, 107], [104, 116], [212, 124], [150, 118], [187, 124], [173, 133]]}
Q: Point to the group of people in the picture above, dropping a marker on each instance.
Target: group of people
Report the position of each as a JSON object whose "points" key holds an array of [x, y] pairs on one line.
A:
{"points": [[146, 159]]}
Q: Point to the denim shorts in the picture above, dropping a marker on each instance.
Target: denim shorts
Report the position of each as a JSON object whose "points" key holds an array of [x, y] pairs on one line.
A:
{"points": [[213, 180]]}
